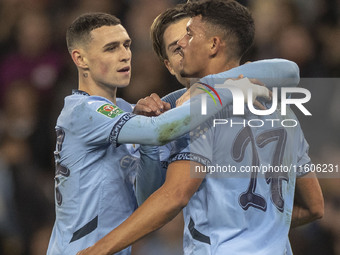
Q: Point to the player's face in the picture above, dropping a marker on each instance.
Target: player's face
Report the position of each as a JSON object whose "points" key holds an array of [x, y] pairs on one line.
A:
{"points": [[172, 34], [109, 56], [195, 49]]}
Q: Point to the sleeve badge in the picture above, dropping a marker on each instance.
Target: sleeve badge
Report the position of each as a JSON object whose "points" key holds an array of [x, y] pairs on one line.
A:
{"points": [[110, 110]]}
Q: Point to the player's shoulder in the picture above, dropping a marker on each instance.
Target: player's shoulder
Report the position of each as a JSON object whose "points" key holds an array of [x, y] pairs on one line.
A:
{"points": [[124, 105], [83, 102], [80, 107]]}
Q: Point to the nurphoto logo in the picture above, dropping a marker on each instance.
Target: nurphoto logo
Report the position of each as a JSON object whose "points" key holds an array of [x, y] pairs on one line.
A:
{"points": [[238, 100], [204, 97]]}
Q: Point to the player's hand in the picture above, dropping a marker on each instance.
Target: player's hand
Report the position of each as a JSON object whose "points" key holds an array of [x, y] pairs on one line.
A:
{"points": [[257, 87], [84, 252], [191, 92], [151, 106], [95, 250], [92, 250]]}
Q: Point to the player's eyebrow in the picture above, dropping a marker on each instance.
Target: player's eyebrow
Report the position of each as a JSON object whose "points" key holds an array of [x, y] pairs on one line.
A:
{"points": [[115, 44], [174, 43], [111, 44]]}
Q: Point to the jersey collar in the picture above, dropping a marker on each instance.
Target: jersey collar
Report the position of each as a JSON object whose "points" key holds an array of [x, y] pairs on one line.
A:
{"points": [[79, 92]]}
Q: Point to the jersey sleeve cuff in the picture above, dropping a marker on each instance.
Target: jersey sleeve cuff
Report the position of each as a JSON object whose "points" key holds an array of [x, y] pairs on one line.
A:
{"points": [[303, 170], [191, 157], [118, 126]]}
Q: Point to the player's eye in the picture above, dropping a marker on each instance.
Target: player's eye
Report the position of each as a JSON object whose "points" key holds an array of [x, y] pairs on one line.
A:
{"points": [[111, 48], [189, 32], [127, 45], [177, 50]]}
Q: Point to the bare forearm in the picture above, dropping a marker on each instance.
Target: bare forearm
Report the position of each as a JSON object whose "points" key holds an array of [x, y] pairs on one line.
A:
{"points": [[302, 216], [162, 206], [159, 209], [308, 201]]}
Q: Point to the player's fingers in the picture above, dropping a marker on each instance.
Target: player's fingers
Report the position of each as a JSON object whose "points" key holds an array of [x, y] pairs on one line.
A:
{"points": [[256, 81], [153, 105], [141, 103], [258, 105], [261, 91], [179, 102], [158, 100], [270, 95], [83, 252], [144, 107], [183, 98], [195, 90], [241, 76], [166, 106], [142, 110]]}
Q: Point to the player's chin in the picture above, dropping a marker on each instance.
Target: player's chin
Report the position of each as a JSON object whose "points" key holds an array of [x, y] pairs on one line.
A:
{"points": [[124, 83], [184, 74]]}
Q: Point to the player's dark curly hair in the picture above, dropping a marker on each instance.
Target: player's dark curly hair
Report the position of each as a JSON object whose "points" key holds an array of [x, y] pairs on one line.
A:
{"points": [[160, 24], [229, 18], [79, 30]]}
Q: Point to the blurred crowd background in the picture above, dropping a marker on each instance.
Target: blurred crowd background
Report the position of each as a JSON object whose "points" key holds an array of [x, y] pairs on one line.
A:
{"points": [[36, 73]]}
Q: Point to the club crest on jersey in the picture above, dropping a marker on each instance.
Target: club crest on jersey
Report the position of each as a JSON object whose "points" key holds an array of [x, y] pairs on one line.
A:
{"points": [[110, 110]]}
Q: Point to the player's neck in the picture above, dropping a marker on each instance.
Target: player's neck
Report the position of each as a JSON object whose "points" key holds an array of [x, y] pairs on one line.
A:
{"points": [[219, 65], [93, 89], [231, 64]]}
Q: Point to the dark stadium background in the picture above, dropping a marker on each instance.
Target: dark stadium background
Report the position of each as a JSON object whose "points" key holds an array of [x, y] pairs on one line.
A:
{"points": [[36, 73]]}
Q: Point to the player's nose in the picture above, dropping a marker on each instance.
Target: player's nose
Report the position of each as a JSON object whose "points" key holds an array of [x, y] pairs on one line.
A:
{"points": [[125, 55], [182, 42]]}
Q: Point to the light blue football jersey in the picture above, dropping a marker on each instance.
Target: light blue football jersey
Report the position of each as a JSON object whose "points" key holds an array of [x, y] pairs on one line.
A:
{"points": [[94, 188], [242, 212], [272, 72]]}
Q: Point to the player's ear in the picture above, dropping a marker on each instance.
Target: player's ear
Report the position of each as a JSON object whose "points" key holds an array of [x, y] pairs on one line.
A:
{"points": [[78, 58], [168, 65], [215, 45]]}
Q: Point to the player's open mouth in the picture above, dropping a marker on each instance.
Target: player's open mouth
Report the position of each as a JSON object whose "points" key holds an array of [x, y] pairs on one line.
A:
{"points": [[124, 69]]}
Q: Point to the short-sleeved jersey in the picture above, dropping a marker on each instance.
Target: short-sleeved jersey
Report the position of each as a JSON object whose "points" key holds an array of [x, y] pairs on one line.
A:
{"points": [[94, 191], [244, 204]]}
